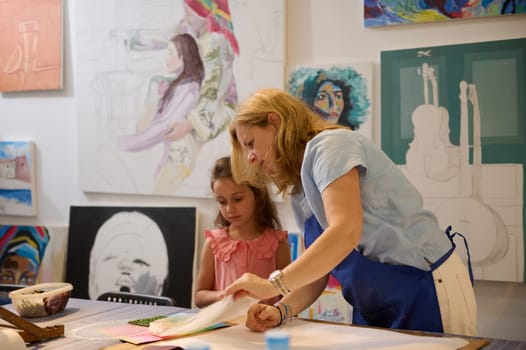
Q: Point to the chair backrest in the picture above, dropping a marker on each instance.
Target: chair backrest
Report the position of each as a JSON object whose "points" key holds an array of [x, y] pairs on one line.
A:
{"points": [[134, 298]]}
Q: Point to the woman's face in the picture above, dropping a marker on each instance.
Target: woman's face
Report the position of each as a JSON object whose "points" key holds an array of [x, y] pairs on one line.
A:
{"points": [[329, 101], [257, 142], [174, 61], [18, 270]]}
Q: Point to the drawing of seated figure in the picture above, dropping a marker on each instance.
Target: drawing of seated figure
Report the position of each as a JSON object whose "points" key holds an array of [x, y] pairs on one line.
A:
{"points": [[180, 95], [430, 151]]}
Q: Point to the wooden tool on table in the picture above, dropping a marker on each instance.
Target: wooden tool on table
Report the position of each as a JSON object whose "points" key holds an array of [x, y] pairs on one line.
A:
{"points": [[29, 331]]}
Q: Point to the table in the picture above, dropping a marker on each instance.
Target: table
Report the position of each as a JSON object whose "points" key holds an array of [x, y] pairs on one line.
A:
{"points": [[81, 314]]}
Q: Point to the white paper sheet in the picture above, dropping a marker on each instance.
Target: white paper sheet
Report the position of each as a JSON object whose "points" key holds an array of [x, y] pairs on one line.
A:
{"points": [[307, 335], [222, 311]]}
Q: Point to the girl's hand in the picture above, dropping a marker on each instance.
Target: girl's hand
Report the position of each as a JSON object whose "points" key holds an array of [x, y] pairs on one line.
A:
{"points": [[261, 317], [251, 285]]}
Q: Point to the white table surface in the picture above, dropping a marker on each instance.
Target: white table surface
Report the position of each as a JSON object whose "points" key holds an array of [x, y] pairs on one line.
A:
{"points": [[81, 315]]}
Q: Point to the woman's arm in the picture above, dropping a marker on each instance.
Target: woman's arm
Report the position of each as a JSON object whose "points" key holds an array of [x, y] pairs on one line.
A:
{"points": [[283, 254], [204, 289], [343, 210], [342, 204]]}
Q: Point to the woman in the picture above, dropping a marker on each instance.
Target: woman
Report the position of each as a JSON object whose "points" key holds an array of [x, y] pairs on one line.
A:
{"points": [[363, 222]]}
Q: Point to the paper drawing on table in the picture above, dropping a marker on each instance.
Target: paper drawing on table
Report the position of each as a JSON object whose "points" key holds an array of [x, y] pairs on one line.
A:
{"points": [[213, 316]]}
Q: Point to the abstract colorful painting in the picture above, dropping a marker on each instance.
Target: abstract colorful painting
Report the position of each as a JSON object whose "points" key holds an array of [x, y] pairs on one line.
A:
{"points": [[30, 45], [389, 12], [17, 178], [145, 250], [454, 120], [338, 93], [158, 83]]}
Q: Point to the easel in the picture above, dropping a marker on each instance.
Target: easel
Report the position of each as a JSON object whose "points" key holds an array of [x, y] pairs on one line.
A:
{"points": [[29, 331]]}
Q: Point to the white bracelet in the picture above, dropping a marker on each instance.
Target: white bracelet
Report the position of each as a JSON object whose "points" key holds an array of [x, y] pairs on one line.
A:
{"points": [[275, 279]]}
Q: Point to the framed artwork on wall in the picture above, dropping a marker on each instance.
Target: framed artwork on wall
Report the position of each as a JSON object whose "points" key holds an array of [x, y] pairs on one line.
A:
{"points": [[338, 93], [159, 82], [22, 251], [454, 119], [31, 45], [145, 250], [17, 178], [390, 12]]}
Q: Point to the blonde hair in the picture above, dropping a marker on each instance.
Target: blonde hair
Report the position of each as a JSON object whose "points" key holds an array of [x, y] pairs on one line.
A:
{"points": [[299, 124]]}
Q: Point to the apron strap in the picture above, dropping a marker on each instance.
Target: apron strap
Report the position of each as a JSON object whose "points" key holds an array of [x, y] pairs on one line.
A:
{"points": [[451, 236]]}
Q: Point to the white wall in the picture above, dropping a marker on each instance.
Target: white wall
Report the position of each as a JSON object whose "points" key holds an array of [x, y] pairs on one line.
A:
{"points": [[319, 31]]}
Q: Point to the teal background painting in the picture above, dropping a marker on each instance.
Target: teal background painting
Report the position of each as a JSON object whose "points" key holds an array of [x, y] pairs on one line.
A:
{"points": [[496, 68]]}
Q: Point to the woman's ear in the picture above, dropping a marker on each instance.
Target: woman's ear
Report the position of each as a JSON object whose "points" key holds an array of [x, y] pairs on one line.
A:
{"points": [[274, 119]]}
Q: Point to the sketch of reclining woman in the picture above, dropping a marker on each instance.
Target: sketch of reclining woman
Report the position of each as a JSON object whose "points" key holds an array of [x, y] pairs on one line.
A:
{"points": [[179, 98]]}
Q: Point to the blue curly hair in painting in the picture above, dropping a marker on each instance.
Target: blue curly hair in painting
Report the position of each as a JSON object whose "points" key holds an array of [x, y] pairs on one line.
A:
{"points": [[305, 83]]}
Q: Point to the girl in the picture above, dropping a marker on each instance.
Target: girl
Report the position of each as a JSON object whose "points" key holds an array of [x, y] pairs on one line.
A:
{"points": [[180, 96], [248, 237]]}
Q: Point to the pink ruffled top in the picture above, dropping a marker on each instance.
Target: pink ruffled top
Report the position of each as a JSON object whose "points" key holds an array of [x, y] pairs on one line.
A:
{"points": [[234, 257]]}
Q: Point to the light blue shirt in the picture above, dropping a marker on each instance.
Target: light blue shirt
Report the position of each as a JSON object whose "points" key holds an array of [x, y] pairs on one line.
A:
{"points": [[396, 228]]}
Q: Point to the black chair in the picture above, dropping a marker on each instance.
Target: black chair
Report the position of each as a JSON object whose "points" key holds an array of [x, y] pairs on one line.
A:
{"points": [[133, 298], [5, 289]]}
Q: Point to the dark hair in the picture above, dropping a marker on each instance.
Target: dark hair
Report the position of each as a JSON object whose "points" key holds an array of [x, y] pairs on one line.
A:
{"points": [[347, 103], [193, 68], [265, 209]]}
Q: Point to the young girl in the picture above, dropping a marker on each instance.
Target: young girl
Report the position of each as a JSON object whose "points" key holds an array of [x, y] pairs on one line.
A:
{"points": [[248, 237], [186, 72]]}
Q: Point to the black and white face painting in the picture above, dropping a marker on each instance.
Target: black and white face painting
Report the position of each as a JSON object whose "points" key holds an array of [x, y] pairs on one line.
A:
{"points": [[129, 255]]}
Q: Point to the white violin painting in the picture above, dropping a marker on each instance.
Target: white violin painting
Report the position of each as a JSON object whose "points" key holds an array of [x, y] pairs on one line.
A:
{"points": [[481, 201]]}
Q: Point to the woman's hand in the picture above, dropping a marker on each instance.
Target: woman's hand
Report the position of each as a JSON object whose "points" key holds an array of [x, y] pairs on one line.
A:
{"points": [[261, 317], [251, 285]]}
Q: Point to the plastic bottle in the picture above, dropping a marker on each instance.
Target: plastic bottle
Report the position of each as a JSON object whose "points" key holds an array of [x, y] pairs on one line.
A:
{"points": [[198, 345], [277, 340]]}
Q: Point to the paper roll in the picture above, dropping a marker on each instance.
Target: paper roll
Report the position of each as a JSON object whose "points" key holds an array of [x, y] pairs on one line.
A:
{"points": [[10, 339]]}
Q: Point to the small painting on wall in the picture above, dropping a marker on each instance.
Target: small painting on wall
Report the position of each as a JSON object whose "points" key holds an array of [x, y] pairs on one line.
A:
{"points": [[17, 178], [22, 249], [31, 45], [390, 12], [338, 93], [144, 250]]}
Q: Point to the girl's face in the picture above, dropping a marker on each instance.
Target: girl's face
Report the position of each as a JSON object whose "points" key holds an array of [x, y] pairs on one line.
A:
{"points": [[258, 142], [236, 202], [174, 61], [329, 101]]}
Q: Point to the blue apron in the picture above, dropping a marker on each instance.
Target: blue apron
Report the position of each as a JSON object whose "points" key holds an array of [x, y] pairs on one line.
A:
{"points": [[385, 295]]}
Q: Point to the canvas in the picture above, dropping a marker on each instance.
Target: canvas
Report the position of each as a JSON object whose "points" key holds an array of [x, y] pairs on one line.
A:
{"points": [[53, 266], [31, 45], [143, 131], [17, 178], [453, 119], [339, 93], [390, 12], [145, 250], [22, 250]]}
